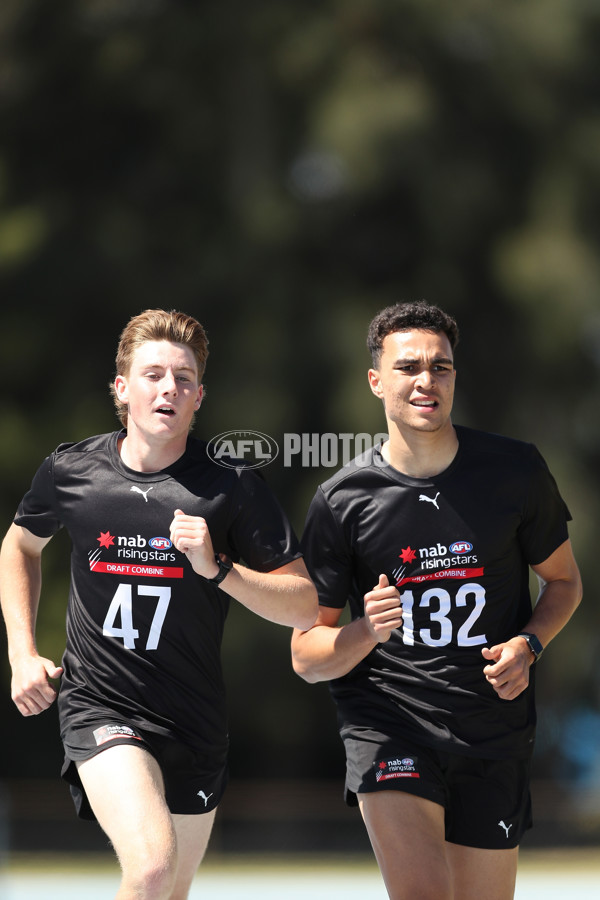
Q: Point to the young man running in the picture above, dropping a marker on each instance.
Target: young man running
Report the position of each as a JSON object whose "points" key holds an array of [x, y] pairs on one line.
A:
{"points": [[155, 525], [430, 538]]}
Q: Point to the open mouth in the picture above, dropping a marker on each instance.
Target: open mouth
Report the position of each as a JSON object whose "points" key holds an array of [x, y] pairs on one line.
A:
{"points": [[425, 404], [165, 411]]}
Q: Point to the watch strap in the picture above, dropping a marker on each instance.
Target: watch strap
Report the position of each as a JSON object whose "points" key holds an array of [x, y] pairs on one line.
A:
{"points": [[225, 566], [533, 642]]}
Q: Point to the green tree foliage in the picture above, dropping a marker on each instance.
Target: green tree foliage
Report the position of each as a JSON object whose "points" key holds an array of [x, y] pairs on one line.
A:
{"points": [[282, 171]]}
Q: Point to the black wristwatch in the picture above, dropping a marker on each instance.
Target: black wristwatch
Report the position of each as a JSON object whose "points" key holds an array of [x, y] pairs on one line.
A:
{"points": [[225, 566], [533, 642]]}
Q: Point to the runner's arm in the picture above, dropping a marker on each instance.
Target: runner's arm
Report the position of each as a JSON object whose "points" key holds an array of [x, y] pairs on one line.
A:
{"points": [[559, 596], [328, 650], [20, 586], [285, 595]]}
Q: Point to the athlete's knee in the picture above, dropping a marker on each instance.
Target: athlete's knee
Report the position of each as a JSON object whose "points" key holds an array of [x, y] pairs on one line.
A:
{"points": [[154, 882], [423, 874], [151, 875], [428, 884]]}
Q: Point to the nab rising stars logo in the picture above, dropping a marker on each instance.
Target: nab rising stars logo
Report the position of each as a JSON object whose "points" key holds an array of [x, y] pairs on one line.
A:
{"points": [[388, 769], [454, 561], [137, 549]]}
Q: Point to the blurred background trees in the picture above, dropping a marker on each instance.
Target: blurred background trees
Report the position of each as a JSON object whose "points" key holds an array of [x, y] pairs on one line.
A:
{"points": [[282, 171]]}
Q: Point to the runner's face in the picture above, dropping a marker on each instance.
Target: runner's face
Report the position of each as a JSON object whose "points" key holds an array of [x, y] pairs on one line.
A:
{"points": [[161, 390], [415, 380]]}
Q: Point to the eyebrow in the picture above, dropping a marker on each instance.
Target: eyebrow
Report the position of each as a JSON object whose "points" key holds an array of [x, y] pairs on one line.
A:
{"points": [[407, 361], [158, 365]]}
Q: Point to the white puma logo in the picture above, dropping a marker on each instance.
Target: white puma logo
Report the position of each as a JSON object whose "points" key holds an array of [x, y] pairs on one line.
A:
{"points": [[507, 828], [138, 490], [204, 797], [430, 499]]}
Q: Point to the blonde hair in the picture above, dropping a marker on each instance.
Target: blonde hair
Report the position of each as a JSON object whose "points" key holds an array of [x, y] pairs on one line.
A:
{"points": [[158, 325]]}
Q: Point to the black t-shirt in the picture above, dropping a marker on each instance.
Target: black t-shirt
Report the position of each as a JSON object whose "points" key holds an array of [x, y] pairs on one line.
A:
{"points": [[143, 629], [458, 546]]}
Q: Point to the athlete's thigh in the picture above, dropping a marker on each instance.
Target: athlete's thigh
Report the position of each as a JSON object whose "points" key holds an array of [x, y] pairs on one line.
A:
{"points": [[408, 837], [193, 833], [483, 873], [125, 788]]}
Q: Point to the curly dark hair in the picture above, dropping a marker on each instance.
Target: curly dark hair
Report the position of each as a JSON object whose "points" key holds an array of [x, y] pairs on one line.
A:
{"points": [[406, 317]]}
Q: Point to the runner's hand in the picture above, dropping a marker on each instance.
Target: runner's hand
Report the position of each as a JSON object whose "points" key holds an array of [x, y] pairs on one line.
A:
{"points": [[383, 610], [31, 690], [508, 671], [190, 535]]}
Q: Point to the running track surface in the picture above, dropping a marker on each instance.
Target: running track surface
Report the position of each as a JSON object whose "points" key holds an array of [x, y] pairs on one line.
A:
{"points": [[546, 878]]}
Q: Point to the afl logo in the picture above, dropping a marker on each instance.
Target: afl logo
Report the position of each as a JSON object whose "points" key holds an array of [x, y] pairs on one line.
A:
{"points": [[461, 547], [160, 543], [253, 448], [407, 761]]}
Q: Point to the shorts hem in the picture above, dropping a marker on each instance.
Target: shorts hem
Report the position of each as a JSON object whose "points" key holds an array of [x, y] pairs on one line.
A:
{"points": [[212, 778]]}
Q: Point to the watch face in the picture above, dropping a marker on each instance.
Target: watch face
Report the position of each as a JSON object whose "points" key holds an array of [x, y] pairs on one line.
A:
{"points": [[534, 643]]}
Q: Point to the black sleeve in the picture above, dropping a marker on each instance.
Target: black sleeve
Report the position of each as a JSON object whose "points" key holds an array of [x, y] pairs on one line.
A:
{"points": [[38, 509], [260, 530], [326, 553], [544, 524]]}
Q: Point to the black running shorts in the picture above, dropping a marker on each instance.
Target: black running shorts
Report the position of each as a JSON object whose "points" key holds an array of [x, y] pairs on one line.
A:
{"points": [[487, 801], [194, 783]]}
